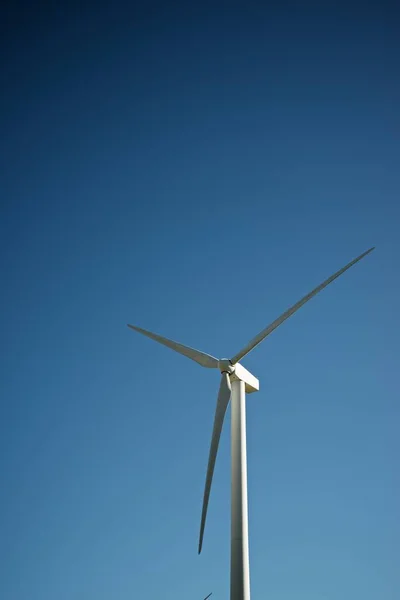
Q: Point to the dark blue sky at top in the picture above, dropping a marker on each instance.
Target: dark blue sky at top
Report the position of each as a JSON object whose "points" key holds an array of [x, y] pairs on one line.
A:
{"points": [[194, 169]]}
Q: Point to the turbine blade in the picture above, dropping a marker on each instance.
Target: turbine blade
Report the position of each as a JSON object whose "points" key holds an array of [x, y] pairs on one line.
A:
{"points": [[205, 360], [224, 395], [263, 334], [208, 596]]}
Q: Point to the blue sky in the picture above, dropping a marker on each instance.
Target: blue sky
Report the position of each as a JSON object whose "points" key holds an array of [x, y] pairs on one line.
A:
{"points": [[195, 170]]}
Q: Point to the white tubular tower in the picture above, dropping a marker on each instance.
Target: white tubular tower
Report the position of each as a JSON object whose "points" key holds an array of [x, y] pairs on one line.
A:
{"points": [[240, 566]]}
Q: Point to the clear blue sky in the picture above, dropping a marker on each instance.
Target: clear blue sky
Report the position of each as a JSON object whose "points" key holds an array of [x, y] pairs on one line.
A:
{"points": [[195, 171]]}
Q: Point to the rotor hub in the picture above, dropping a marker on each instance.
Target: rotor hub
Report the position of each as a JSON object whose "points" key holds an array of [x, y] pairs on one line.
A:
{"points": [[225, 366]]}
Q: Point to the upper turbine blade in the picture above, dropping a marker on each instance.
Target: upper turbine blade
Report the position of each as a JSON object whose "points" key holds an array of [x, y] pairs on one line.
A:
{"points": [[263, 334], [205, 360], [224, 395]]}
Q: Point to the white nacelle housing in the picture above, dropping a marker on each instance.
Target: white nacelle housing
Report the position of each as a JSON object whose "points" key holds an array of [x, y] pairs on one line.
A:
{"points": [[252, 383]]}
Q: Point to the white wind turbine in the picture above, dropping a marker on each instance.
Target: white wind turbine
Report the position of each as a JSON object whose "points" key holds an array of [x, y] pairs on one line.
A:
{"points": [[235, 382]]}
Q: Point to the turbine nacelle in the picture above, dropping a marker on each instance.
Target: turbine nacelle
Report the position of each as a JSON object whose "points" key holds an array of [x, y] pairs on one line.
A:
{"points": [[240, 373]]}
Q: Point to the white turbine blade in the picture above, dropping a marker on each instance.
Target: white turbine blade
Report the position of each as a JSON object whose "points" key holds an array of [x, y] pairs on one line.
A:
{"points": [[205, 360], [224, 395], [208, 596], [263, 334]]}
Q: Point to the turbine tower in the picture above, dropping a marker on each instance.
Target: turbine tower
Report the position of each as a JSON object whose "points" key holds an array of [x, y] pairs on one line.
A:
{"points": [[235, 382]]}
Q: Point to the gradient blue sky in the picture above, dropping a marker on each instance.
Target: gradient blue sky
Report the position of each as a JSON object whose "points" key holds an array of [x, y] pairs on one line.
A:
{"points": [[195, 170]]}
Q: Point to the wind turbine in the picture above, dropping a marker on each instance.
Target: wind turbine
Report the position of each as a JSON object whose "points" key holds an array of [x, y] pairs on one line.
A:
{"points": [[235, 382]]}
